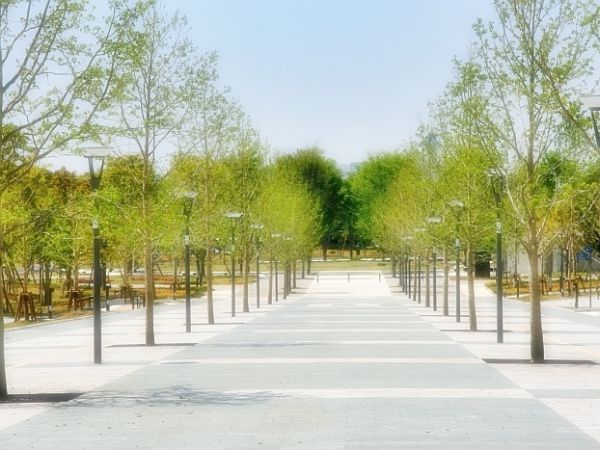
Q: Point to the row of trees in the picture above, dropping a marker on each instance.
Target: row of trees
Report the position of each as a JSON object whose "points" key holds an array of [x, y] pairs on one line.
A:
{"points": [[511, 116], [133, 80]]}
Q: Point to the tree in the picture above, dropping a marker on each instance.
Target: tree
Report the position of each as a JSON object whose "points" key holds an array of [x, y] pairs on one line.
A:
{"points": [[524, 114], [368, 185], [153, 70], [324, 179], [56, 73], [214, 127]]}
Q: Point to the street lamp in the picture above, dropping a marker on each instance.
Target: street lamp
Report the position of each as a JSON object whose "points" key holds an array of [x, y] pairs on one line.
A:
{"points": [[592, 102], [457, 206], [434, 220], [418, 274], [407, 279], [96, 157], [233, 216], [188, 202], [257, 227], [497, 184]]}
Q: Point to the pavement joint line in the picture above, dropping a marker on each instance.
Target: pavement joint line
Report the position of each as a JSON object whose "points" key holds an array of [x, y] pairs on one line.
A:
{"points": [[345, 342], [344, 330], [339, 360]]}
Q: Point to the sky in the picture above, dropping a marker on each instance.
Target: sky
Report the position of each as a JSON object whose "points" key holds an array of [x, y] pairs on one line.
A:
{"points": [[353, 77]]}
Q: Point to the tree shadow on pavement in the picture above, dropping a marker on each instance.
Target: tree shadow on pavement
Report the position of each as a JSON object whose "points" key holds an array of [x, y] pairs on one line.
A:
{"points": [[173, 396]]}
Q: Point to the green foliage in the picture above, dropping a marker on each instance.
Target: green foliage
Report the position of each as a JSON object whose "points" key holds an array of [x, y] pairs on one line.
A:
{"points": [[323, 178], [370, 185]]}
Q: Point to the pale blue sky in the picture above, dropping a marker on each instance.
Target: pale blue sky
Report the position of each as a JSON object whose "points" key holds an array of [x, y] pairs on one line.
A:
{"points": [[353, 77]]}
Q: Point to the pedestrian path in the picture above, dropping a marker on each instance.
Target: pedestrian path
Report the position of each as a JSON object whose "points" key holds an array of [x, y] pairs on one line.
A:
{"points": [[345, 365]]}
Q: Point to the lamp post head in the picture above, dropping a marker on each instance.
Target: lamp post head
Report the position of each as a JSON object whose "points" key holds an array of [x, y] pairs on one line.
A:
{"points": [[188, 201], [96, 157]]}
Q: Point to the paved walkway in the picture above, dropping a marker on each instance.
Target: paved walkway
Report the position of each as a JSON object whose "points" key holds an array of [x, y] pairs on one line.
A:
{"points": [[344, 365]]}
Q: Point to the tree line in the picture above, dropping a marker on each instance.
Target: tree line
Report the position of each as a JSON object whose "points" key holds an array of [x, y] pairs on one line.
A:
{"points": [[128, 76]]}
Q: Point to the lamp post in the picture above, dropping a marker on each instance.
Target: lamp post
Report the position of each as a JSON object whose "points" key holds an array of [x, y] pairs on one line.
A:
{"points": [[257, 227], [497, 184], [592, 102], [418, 274], [434, 220], [96, 157], [188, 202], [457, 206], [233, 216], [407, 279]]}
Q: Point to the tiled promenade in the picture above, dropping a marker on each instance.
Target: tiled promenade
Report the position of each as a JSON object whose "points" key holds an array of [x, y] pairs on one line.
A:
{"points": [[343, 365]]}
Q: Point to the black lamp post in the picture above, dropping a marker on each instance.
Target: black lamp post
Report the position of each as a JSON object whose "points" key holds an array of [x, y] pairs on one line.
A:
{"points": [[407, 280], [188, 202], [233, 216], [497, 183], [418, 274], [434, 220], [96, 157], [457, 206]]}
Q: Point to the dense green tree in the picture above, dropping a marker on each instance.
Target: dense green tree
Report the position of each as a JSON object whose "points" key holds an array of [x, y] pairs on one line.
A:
{"points": [[324, 179]]}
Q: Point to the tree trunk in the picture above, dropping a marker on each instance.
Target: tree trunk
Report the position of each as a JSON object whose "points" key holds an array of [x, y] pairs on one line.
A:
{"points": [[294, 270], [200, 267], [149, 292], [270, 293], [446, 281], [427, 284], [537, 336], [246, 270], [209, 286], [471, 287], [174, 278], [3, 381], [127, 266]]}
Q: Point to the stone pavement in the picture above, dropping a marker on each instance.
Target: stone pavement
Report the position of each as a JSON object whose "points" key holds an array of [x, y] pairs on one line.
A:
{"points": [[342, 365]]}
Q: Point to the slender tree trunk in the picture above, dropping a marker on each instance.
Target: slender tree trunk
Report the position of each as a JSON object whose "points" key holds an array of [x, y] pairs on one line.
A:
{"points": [[246, 261], [427, 284], [446, 281], [174, 278], [294, 270], [270, 293], [209, 286], [537, 336], [127, 265], [149, 292], [3, 381], [471, 287]]}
